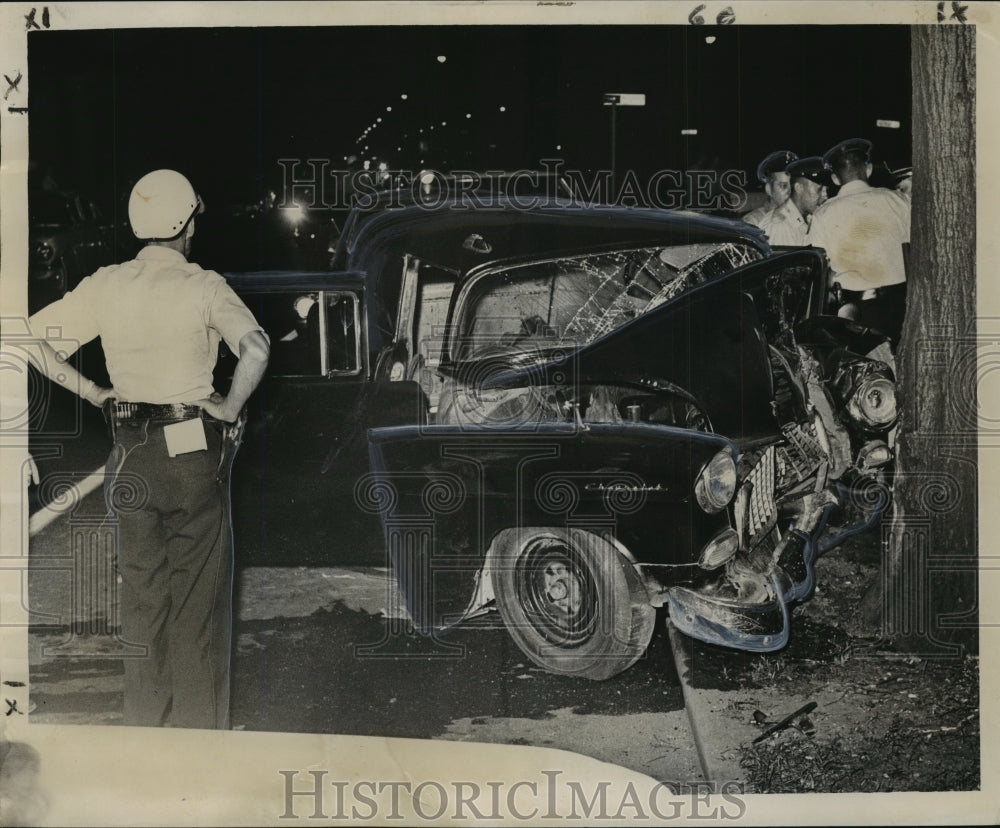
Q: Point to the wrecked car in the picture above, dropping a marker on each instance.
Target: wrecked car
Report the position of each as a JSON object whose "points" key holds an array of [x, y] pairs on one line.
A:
{"points": [[575, 415]]}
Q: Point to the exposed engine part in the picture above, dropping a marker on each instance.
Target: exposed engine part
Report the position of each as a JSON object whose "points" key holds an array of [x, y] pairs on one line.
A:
{"points": [[839, 440], [873, 455]]}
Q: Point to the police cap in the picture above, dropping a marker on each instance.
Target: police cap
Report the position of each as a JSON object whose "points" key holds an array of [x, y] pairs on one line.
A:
{"points": [[812, 168], [861, 146], [775, 162]]}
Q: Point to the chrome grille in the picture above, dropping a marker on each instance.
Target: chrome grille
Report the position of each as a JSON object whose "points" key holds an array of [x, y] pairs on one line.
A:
{"points": [[800, 455], [761, 513]]}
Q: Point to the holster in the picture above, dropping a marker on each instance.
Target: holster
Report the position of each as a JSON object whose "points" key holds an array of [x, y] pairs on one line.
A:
{"points": [[232, 436], [108, 410]]}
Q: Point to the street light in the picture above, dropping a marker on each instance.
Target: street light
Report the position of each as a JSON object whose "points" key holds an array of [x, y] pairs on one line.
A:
{"points": [[615, 100]]}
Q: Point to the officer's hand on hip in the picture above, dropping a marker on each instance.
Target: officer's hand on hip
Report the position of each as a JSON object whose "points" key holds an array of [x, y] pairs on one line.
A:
{"points": [[216, 406], [97, 396]]}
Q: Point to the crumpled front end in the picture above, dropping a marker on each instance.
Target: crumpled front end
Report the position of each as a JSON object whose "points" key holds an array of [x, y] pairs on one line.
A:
{"points": [[781, 510]]}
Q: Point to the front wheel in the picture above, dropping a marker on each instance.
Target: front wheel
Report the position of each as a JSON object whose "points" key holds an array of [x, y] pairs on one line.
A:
{"points": [[571, 601]]}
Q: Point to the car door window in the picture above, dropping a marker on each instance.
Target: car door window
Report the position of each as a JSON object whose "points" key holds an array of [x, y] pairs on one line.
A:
{"points": [[312, 332], [343, 344]]}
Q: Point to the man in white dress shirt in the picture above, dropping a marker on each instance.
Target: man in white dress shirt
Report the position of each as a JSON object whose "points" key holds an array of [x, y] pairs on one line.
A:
{"points": [[863, 230]]}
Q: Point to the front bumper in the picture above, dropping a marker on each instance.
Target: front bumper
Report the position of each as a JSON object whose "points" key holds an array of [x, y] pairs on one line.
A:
{"points": [[758, 628], [748, 607]]}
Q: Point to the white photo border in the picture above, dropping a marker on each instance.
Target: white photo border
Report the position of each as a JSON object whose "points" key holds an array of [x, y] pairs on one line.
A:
{"points": [[175, 777]]}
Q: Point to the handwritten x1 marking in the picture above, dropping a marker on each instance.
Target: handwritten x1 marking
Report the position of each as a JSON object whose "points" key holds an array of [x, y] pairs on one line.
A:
{"points": [[29, 19], [12, 707], [12, 85], [957, 12]]}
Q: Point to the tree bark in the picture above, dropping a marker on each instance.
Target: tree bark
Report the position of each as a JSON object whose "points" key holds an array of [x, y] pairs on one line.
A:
{"points": [[928, 595]]}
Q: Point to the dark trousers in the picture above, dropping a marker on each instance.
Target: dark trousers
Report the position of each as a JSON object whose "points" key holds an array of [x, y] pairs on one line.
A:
{"points": [[175, 559], [884, 312]]}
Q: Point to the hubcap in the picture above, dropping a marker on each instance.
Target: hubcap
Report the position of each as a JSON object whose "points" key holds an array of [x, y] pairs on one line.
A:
{"points": [[557, 592], [563, 588]]}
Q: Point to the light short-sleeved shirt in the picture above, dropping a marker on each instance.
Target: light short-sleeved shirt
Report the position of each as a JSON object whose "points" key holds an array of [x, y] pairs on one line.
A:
{"points": [[862, 229], [785, 225], [160, 319], [755, 217]]}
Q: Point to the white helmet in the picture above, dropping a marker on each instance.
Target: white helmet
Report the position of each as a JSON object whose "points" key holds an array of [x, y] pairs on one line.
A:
{"points": [[161, 204]]}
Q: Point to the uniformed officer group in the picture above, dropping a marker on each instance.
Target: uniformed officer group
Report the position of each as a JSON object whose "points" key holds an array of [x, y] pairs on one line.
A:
{"points": [[862, 228]]}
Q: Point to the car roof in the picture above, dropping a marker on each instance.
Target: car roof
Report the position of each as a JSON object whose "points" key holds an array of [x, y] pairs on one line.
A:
{"points": [[460, 234]]}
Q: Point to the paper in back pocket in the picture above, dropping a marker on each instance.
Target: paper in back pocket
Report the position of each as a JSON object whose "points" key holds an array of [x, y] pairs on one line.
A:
{"points": [[185, 437]]}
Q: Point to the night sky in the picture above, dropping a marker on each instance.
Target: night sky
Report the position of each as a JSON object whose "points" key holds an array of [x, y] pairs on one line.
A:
{"points": [[222, 105]]}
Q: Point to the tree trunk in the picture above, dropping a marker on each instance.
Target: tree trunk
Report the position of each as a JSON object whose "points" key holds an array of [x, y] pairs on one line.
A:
{"points": [[928, 596]]}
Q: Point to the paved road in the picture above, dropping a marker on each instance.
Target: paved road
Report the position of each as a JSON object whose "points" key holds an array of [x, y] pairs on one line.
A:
{"points": [[327, 649]]}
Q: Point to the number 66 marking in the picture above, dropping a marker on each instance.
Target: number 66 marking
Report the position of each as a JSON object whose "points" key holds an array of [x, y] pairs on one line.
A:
{"points": [[724, 18]]}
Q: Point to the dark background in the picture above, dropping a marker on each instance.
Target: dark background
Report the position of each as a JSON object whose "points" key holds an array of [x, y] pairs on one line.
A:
{"points": [[222, 105]]}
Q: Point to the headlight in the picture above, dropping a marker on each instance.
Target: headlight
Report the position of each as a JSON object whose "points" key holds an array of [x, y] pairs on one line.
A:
{"points": [[720, 549], [717, 483], [874, 402]]}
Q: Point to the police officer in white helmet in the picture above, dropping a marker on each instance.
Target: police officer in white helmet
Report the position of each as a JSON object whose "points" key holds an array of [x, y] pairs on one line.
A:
{"points": [[160, 319]]}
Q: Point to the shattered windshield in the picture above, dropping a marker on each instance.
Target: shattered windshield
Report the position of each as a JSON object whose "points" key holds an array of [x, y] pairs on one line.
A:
{"points": [[572, 301]]}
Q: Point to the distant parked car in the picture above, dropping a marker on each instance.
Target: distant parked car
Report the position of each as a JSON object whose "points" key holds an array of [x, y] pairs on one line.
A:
{"points": [[69, 239]]}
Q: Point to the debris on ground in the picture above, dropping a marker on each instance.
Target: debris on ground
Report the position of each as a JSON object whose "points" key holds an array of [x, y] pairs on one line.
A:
{"points": [[885, 721]]}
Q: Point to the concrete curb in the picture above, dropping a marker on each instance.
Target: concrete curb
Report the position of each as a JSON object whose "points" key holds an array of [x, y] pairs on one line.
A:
{"points": [[67, 500], [718, 734]]}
